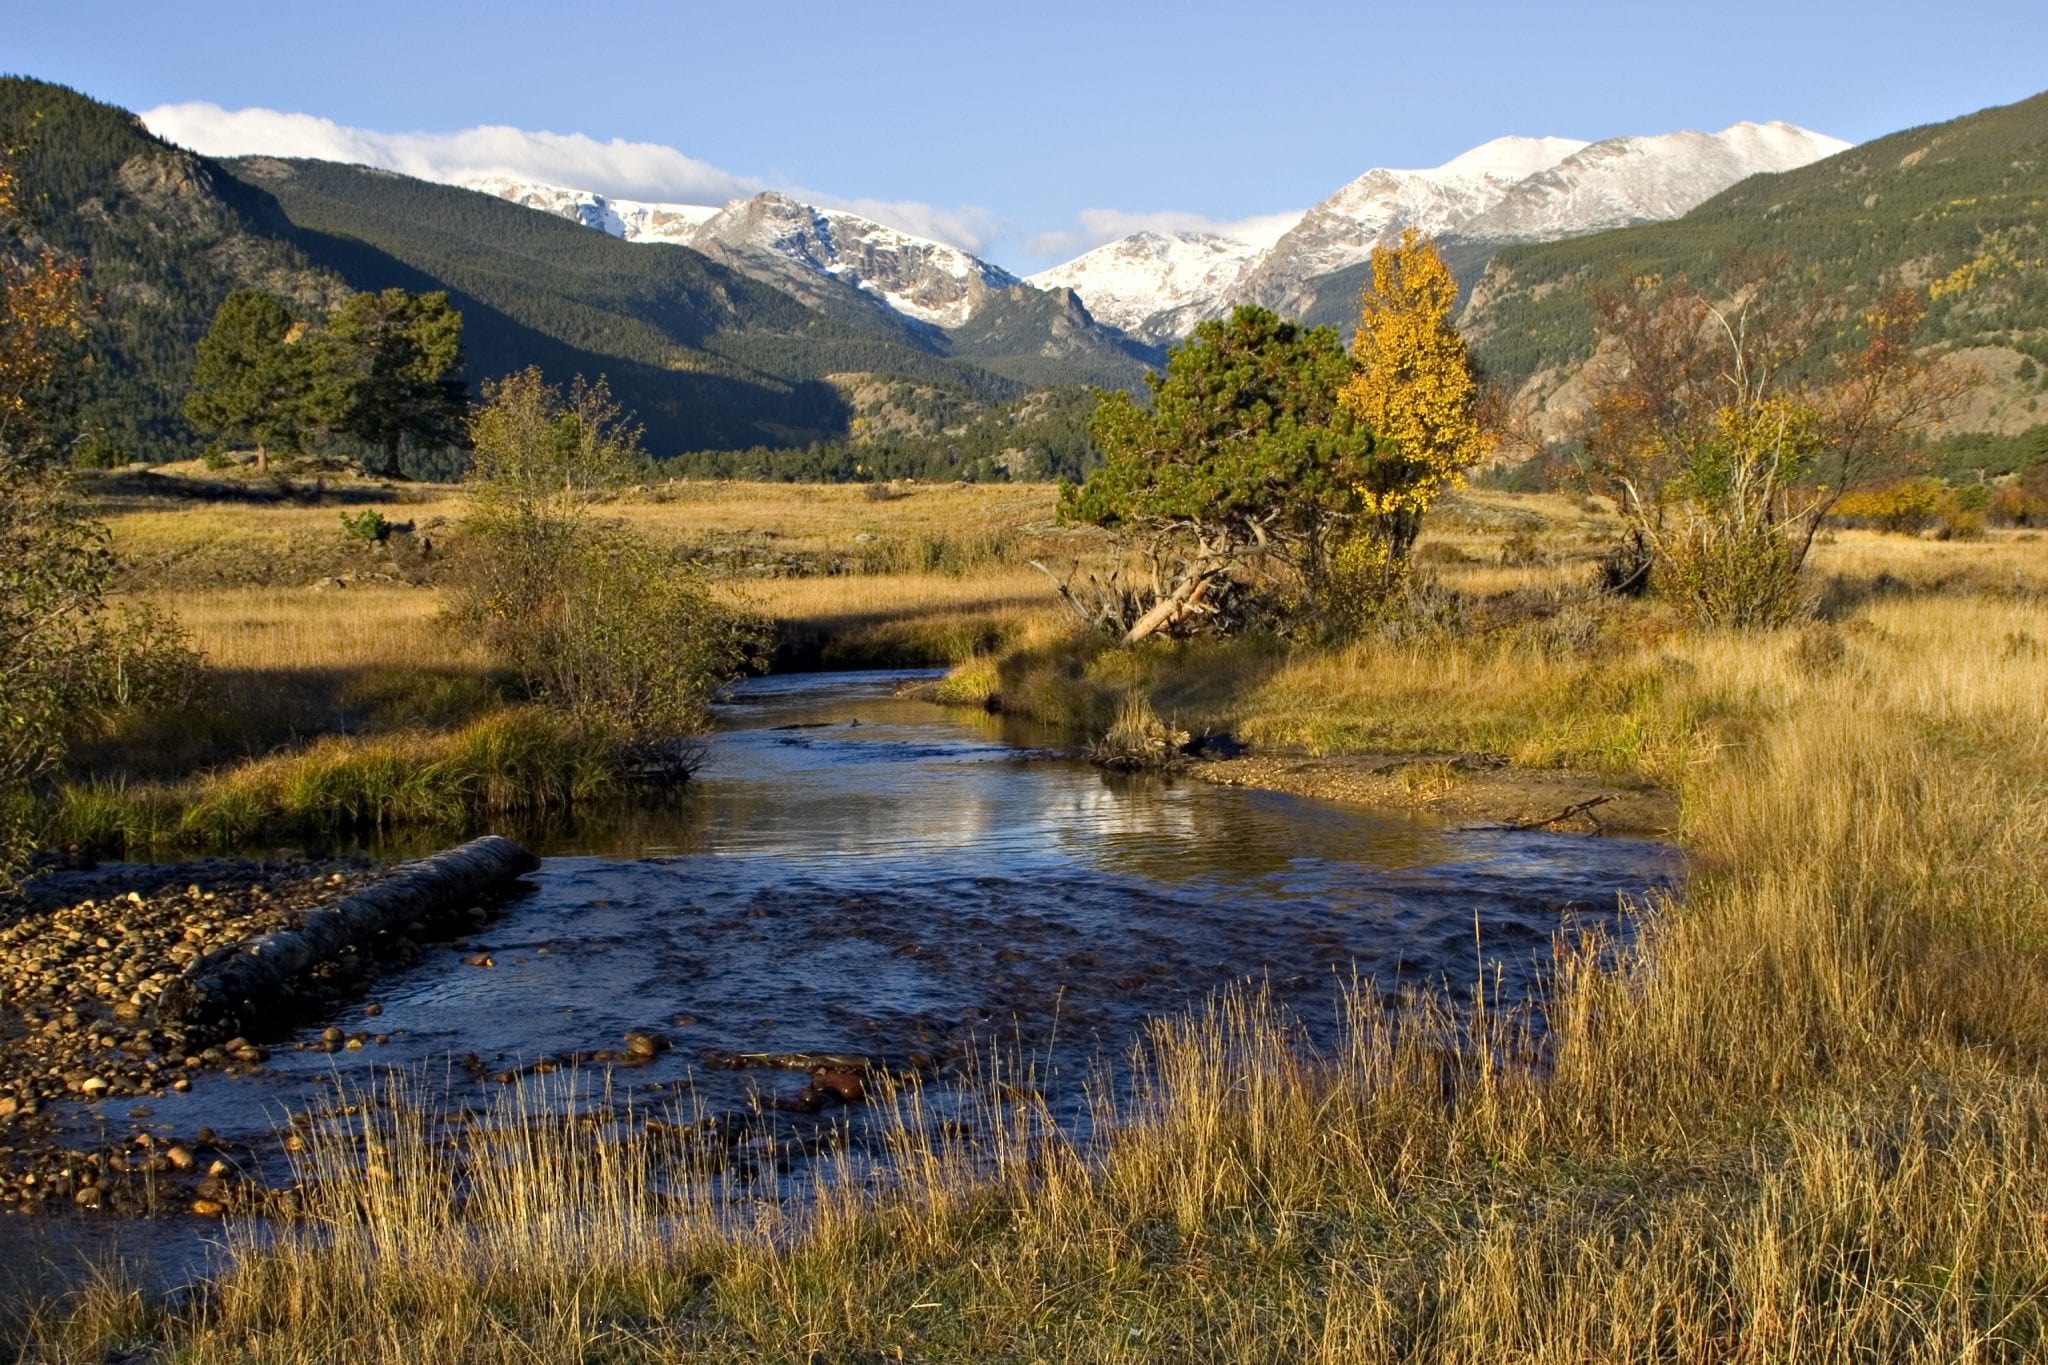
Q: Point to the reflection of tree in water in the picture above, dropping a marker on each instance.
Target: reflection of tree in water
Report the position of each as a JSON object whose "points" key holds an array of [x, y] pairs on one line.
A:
{"points": [[1175, 830]]}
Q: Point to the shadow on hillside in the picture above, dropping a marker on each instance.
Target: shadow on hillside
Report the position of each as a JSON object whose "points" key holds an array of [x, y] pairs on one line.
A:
{"points": [[680, 408]]}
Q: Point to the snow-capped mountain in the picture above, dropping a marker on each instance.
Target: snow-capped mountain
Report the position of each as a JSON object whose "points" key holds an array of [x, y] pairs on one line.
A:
{"points": [[1158, 286], [1155, 285], [792, 245], [1343, 229], [1628, 180], [781, 241], [633, 219]]}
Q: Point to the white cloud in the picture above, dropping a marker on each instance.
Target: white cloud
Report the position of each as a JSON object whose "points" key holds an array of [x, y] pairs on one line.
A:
{"points": [[626, 170], [1097, 226]]}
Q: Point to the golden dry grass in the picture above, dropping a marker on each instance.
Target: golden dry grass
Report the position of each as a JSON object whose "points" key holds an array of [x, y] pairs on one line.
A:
{"points": [[208, 543], [276, 629], [1802, 1121], [929, 575]]}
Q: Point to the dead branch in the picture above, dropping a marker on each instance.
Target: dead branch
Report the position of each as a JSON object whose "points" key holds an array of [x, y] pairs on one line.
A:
{"points": [[1569, 812]]}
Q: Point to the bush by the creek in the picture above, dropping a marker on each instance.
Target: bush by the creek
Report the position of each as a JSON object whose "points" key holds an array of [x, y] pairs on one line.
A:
{"points": [[599, 623]]}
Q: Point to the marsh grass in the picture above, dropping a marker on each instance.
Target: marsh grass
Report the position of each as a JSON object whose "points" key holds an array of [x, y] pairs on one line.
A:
{"points": [[1139, 738], [1802, 1118]]}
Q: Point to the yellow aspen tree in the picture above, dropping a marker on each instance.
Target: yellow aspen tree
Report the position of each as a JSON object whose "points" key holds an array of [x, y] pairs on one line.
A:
{"points": [[1414, 388], [54, 562]]}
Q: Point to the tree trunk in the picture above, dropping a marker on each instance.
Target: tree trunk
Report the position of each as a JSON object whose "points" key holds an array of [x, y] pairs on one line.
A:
{"points": [[392, 470], [1185, 597], [238, 988]]}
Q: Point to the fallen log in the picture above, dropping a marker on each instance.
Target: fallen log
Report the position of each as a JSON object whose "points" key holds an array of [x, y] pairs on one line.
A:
{"points": [[226, 990]]}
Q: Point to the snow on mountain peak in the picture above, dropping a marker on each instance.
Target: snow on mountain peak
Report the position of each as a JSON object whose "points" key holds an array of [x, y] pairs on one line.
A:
{"points": [[788, 243], [767, 235], [1146, 283], [1157, 284], [1511, 158], [632, 219], [1509, 189], [1627, 180]]}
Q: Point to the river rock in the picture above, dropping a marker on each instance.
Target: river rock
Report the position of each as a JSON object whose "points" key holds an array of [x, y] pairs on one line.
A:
{"points": [[843, 1085]]}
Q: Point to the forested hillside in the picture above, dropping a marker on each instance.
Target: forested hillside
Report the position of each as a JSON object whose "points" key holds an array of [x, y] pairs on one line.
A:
{"points": [[704, 356], [1956, 207], [165, 236]]}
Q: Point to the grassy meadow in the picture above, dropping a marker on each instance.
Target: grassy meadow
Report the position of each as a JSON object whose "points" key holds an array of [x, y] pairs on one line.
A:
{"points": [[337, 700], [1803, 1121]]}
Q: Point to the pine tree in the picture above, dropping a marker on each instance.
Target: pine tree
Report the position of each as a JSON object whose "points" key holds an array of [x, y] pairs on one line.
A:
{"points": [[393, 372], [251, 380], [1243, 453]]}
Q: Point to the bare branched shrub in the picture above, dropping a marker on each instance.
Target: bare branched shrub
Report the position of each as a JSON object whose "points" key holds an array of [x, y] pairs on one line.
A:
{"points": [[1726, 443]]}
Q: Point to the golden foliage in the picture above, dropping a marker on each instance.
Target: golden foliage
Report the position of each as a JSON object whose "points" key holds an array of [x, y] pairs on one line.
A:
{"points": [[1414, 385], [40, 316]]}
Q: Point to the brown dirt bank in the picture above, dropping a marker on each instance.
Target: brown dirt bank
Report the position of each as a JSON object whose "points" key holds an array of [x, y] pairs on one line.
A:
{"points": [[1468, 788]]}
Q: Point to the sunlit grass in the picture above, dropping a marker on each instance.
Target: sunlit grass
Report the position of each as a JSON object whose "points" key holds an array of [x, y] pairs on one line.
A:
{"points": [[508, 760], [1802, 1119]]}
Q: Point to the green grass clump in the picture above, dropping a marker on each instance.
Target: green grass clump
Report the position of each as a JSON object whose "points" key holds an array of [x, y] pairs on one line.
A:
{"points": [[514, 760]]}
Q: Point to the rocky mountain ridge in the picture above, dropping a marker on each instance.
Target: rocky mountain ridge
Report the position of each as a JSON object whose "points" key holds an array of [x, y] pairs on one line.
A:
{"points": [[1512, 189], [790, 244]]}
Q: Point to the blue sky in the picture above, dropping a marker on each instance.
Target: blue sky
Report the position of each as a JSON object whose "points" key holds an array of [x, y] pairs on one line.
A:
{"points": [[1026, 131]]}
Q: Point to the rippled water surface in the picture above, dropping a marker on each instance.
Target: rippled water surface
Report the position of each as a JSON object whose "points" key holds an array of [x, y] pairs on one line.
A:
{"points": [[856, 873]]}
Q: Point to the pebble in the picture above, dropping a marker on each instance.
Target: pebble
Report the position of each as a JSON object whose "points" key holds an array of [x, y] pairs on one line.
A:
{"points": [[81, 968], [845, 1085]]}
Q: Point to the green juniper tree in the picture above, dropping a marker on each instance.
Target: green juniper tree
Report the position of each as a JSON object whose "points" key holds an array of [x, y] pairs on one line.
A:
{"points": [[1245, 453]]}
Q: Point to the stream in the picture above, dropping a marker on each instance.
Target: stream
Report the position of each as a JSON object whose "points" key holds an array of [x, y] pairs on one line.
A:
{"points": [[851, 872]]}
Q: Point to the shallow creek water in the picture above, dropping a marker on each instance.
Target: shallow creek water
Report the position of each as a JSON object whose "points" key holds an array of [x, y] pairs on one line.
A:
{"points": [[856, 873]]}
